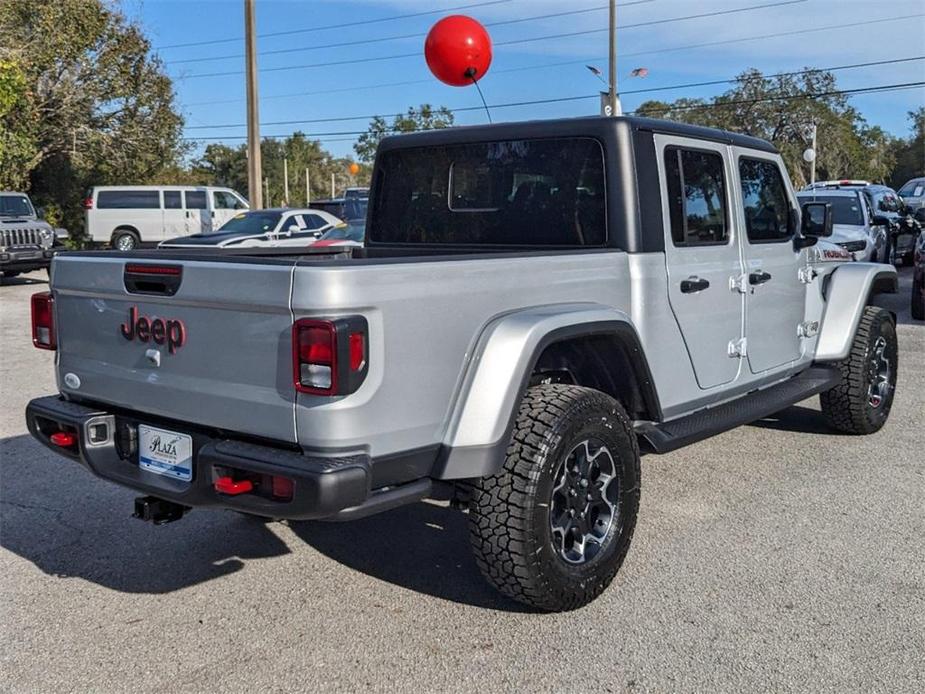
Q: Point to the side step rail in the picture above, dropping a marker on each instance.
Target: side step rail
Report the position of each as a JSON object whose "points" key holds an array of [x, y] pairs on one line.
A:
{"points": [[668, 436]]}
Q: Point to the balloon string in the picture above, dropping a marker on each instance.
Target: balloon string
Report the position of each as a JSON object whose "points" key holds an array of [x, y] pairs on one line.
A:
{"points": [[470, 73]]}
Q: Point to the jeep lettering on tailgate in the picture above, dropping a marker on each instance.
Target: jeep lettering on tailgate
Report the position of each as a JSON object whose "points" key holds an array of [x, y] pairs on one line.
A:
{"points": [[173, 332]]}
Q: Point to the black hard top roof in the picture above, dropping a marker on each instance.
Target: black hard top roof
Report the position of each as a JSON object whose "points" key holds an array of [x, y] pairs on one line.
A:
{"points": [[593, 126]]}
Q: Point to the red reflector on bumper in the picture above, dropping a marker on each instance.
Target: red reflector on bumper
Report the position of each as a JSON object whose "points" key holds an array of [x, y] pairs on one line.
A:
{"points": [[64, 439], [227, 485]]}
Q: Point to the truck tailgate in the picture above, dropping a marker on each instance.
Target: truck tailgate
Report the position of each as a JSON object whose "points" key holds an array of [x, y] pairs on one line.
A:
{"points": [[221, 356]]}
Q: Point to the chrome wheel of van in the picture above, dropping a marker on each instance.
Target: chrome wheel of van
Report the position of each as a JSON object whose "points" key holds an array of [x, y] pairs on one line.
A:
{"points": [[584, 502], [125, 242]]}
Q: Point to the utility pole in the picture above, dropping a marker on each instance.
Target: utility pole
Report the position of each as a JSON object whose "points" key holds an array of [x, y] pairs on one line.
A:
{"points": [[332, 185], [266, 187], [613, 98], [286, 181], [308, 190], [812, 164], [254, 166]]}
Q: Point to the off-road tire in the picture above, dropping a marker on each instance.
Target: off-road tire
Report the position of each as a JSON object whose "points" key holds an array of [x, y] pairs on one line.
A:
{"points": [[917, 306], [120, 234], [509, 512], [847, 406]]}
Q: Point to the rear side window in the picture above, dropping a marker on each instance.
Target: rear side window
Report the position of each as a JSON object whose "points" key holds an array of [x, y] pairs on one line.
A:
{"points": [[696, 197], [128, 200], [195, 199], [172, 200], [764, 195], [511, 193]]}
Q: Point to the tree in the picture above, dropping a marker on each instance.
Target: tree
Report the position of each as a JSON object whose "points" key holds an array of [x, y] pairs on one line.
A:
{"points": [[780, 108], [93, 105], [425, 117], [910, 153]]}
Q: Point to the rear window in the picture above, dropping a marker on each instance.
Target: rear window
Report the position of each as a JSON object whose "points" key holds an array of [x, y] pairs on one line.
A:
{"points": [[128, 200], [845, 210], [511, 193]]}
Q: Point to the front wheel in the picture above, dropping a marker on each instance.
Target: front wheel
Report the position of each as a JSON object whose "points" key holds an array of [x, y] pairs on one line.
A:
{"points": [[861, 402], [552, 528]]}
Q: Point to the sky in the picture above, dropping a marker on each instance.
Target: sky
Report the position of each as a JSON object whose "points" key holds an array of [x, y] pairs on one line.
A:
{"points": [[198, 40]]}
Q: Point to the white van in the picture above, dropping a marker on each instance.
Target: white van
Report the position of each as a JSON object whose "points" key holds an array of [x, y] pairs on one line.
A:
{"points": [[127, 216]]}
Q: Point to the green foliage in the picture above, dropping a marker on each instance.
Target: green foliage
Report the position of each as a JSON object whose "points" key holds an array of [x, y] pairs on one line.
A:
{"points": [[781, 108], [910, 153], [93, 106], [425, 117]]}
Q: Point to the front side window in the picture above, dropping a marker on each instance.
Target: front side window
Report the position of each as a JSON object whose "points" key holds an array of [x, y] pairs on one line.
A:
{"points": [[511, 193], [913, 189], [764, 196], [226, 201], [128, 200], [696, 197], [195, 199]]}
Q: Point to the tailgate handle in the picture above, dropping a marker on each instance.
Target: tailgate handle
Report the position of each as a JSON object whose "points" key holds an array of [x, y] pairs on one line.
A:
{"points": [[144, 278]]}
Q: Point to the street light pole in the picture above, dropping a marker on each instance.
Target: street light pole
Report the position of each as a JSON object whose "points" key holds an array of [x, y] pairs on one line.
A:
{"points": [[254, 166], [613, 98]]}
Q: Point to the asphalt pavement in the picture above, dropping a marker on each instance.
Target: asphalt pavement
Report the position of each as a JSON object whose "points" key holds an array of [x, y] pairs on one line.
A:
{"points": [[776, 557]]}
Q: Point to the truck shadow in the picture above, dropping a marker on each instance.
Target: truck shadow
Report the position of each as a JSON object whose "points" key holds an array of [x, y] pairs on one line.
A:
{"points": [[423, 547], [70, 524], [797, 419]]}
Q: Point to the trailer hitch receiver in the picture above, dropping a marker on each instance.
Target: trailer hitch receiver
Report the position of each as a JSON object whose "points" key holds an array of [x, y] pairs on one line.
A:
{"points": [[158, 511]]}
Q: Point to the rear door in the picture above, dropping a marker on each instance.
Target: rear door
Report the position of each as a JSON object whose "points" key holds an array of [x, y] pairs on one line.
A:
{"points": [[224, 358], [702, 254], [776, 297]]}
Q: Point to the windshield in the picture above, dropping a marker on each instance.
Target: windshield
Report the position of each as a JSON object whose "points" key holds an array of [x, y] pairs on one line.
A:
{"points": [[347, 232], [15, 206], [913, 189], [845, 210], [251, 223]]}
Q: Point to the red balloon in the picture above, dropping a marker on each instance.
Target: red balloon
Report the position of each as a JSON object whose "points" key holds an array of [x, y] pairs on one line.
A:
{"points": [[458, 50]]}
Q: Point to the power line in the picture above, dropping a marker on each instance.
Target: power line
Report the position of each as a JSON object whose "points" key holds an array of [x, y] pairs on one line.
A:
{"points": [[541, 101], [382, 39], [561, 99], [344, 25], [416, 54], [586, 60]]}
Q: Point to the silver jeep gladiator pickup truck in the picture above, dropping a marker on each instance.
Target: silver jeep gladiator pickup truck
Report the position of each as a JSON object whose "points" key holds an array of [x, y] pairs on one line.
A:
{"points": [[536, 303]]}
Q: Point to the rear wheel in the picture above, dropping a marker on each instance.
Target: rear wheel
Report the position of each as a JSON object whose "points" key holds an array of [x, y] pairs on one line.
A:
{"points": [[125, 240], [861, 402], [9, 274], [552, 528], [918, 301]]}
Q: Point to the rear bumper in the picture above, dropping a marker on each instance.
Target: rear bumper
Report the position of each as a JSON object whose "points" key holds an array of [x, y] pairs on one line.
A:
{"points": [[323, 486], [25, 259]]}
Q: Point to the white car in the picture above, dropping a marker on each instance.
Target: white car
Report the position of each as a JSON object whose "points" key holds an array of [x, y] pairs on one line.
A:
{"points": [[263, 228], [126, 217]]}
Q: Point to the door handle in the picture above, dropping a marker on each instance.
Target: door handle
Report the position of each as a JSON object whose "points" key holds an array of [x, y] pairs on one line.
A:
{"points": [[694, 284], [187, 214], [759, 277]]}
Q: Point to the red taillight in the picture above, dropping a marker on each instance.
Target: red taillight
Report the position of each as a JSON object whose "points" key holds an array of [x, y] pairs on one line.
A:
{"points": [[357, 351], [233, 487], [88, 203], [282, 488], [63, 439], [314, 356], [140, 269], [43, 320]]}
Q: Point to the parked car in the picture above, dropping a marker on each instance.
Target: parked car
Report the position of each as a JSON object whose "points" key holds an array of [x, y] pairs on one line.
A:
{"points": [[126, 217], [918, 279], [902, 229], [534, 302], [350, 208], [913, 193], [271, 227], [344, 235], [26, 242], [856, 228]]}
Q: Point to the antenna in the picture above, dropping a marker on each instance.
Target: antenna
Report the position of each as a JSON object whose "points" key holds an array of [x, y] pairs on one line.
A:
{"points": [[471, 73]]}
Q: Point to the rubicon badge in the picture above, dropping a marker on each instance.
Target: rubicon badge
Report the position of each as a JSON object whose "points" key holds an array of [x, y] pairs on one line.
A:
{"points": [[160, 331]]}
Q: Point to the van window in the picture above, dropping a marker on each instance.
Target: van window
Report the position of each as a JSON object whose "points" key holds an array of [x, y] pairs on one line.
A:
{"points": [[195, 199], [172, 200], [547, 192], [128, 200], [226, 201], [764, 195], [696, 197]]}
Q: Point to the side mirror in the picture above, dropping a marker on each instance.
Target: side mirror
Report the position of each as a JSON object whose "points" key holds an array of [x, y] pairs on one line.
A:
{"points": [[879, 220], [919, 215], [40, 212], [817, 220]]}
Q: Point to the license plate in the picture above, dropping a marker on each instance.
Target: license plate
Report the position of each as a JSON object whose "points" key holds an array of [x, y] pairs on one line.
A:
{"points": [[165, 452]]}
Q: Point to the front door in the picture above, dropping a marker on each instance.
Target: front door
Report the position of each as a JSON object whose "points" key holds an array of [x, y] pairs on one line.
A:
{"points": [[174, 218], [775, 294], [702, 254], [198, 218]]}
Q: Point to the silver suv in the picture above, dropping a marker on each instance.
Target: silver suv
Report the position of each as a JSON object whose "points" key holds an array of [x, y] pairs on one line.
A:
{"points": [[854, 222], [25, 240]]}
